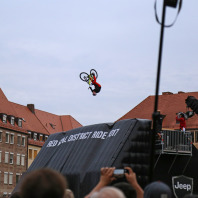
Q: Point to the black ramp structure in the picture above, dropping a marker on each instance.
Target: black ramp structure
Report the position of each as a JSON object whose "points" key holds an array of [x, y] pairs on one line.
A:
{"points": [[80, 153]]}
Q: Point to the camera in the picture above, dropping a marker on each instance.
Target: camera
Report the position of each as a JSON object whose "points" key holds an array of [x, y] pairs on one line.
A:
{"points": [[118, 172]]}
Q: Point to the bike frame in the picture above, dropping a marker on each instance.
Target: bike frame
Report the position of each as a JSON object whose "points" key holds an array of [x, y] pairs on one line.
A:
{"points": [[90, 79]]}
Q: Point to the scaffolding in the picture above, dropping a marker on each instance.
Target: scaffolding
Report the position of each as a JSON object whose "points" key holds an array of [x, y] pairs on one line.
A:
{"points": [[176, 142]]}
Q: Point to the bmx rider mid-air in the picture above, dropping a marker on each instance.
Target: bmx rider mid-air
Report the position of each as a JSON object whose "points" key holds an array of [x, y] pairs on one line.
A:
{"points": [[96, 85], [91, 80]]}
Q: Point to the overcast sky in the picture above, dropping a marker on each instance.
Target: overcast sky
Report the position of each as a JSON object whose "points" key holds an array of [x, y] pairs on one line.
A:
{"points": [[45, 45]]}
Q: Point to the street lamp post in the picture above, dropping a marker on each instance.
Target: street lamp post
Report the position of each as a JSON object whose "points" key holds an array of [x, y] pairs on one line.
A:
{"points": [[171, 3]]}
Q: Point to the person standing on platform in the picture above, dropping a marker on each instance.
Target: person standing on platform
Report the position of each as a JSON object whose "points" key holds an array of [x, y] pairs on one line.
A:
{"points": [[181, 119]]}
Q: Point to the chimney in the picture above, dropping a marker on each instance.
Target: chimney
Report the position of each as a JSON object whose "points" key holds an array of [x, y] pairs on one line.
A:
{"points": [[31, 107], [167, 93]]}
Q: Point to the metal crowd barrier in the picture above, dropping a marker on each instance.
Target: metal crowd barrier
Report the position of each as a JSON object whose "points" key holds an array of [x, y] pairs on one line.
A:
{"points": [[176, 142]]}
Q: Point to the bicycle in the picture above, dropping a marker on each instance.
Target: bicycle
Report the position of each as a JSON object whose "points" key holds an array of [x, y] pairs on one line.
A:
{"points": [[88, 77]]}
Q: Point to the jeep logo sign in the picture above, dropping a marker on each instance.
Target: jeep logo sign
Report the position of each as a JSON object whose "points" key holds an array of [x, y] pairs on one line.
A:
{"points": [[182, 185]]}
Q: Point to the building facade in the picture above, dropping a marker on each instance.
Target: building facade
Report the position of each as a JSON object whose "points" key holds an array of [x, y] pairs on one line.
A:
{"points": [[23, 131], [13, 157]]}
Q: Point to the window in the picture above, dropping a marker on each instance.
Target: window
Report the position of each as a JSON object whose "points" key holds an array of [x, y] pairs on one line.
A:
{"points": [[7, 137], [41, 137], [19, 140], [11, 158], [4, 118], [22, 160], [5, 177], [17, 177], [23, 141], [12, 120], [30, 153], [0, 155], [10, 178], [0, 136], [35, 136], [18, 159], [30, 135], [20, 122], [35, 153], [6, 157], [46, 137], [11, 138], [196, 136]]}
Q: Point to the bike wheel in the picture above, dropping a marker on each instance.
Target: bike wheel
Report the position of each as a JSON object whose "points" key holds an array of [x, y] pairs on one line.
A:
{"points": [[84, 76], [95, 72]]}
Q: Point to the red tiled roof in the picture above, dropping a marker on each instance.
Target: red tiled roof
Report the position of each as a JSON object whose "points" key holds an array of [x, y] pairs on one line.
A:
{"points": [[39, 122], [50, 122], [5, 106], [54, 123], [35, 143], [11, 127], [169, 105], [31, 123], [69, 122]]}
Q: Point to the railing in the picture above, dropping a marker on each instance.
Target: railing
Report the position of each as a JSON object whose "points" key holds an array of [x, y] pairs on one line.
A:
{"points": [[176, 142]]}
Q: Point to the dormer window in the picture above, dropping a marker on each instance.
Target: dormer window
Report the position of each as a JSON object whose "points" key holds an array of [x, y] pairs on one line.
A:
{"points": [[40, 137], [12, 120], [46, 136], [52, 125], [30, 135], [20, 122], [4, 118], [35, 136]]}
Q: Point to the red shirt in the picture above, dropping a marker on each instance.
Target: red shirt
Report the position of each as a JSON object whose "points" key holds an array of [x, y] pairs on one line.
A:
{"points": [[94, 82], [182, 122]]}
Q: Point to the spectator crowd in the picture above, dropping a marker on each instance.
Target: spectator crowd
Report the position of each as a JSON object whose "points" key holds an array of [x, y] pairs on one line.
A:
{"points": [[48, 183]]}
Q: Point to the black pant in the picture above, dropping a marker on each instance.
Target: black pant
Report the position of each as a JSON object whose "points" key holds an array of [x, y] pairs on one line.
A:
{"points": [[96, 89]]}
